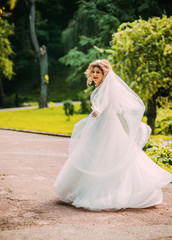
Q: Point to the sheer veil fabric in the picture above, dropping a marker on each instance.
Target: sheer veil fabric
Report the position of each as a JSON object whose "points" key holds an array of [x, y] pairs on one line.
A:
{"points": [[107, 168]]}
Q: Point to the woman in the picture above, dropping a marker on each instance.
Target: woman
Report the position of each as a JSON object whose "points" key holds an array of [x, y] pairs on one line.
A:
{"points": [[107, 168]]}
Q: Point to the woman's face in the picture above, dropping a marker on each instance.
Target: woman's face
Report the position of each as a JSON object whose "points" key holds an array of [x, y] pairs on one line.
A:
{"points": [[97, 76]]}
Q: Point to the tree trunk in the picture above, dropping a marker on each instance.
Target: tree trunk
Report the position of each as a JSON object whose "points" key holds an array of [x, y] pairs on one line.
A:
{"points": [[1, 93], [41, 54], [151, 113], [151, 110], [44, 71]]}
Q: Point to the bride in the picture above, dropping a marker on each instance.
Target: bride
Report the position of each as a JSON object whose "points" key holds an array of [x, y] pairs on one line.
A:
{"points": [[107, 168]]}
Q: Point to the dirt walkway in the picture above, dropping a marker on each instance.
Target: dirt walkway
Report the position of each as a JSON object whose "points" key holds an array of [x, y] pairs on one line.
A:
{"points": [[29, 164]]}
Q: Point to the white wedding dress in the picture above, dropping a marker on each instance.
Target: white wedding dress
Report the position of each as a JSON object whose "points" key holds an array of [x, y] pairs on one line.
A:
{"points": [[107, 168]]}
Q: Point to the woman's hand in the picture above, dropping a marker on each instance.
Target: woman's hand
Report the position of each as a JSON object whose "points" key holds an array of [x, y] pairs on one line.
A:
{"points": [[94, 114]]}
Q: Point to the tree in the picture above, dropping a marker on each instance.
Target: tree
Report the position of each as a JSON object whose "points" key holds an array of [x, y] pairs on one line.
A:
{"points": [[6, 65], [51, 18], [94, 23], [141, 53], [41, 53]]}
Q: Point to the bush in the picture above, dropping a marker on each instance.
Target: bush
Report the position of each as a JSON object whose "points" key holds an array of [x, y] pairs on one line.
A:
{"points": [[84, 97], [163, 124], [160, 152], [9, 101], [16, 100], [84, 103], [68, 108]]}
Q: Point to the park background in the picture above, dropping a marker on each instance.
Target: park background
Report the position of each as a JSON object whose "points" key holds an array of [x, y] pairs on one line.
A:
{"points": [[45, 47]]}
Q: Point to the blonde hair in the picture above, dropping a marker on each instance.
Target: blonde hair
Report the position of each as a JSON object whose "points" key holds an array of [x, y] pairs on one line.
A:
{"points": [[103, 65]]}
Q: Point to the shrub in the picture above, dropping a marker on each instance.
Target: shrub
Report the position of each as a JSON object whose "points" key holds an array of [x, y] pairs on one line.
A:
{"points": [[84, 97], [9, 101], [160, 152], [68, 108], [163, 124]]}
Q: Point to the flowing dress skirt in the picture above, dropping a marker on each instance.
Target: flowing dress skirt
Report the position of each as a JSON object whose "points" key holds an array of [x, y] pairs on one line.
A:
{"points": [[108, 170]]}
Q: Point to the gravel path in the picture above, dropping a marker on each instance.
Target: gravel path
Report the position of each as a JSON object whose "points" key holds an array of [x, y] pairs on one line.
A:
{"points": [[29, 164]]}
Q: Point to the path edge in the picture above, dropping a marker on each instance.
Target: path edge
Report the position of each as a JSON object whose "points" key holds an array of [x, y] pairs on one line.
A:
{"points": [[36, 132]]}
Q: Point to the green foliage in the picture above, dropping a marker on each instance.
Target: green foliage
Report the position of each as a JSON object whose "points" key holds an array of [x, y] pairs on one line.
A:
{"points": [[21, 42], [81, 24], [68, 108], [160, 153], [141, 53], [84, 97], [74, 58], [52, 17], [9, 101], [6, 65], [12, 3], [79, 62], [98, 19], [94, 23], [163, 123], [59, 89]]}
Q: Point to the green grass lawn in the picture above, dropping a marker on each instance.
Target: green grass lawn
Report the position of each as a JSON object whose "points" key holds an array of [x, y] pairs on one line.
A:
{"points": [[51, 120]]}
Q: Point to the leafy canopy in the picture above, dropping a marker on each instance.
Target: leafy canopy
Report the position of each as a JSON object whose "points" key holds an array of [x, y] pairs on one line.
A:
{"points": [[94, 23], [141, 53], [6, 65]]}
